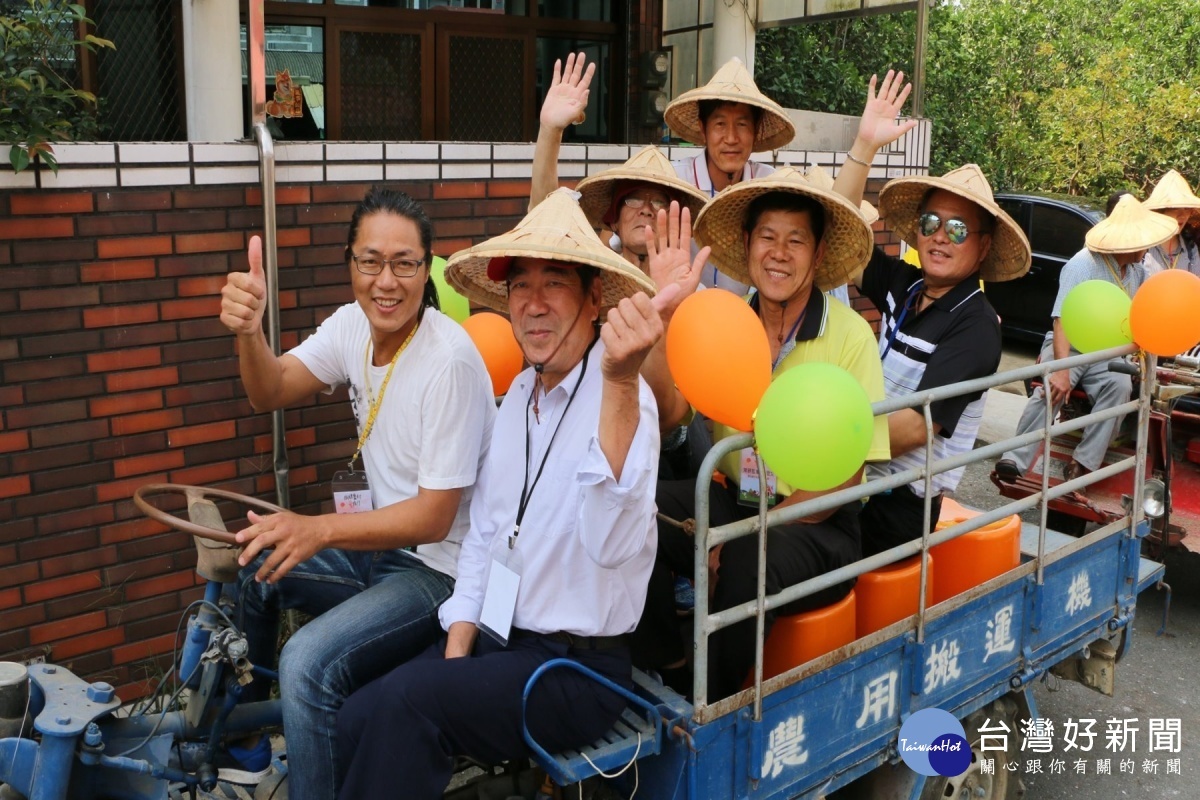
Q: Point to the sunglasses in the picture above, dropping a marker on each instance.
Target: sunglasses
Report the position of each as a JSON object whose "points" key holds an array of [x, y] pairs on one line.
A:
{"points": [[956, 230]]}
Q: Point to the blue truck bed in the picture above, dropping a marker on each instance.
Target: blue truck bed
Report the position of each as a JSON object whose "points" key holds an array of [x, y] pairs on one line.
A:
{"points": [[837, 718]]}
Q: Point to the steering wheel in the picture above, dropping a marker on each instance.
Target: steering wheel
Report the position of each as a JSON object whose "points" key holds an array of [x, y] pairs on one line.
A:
{"points": [[192, 494]]}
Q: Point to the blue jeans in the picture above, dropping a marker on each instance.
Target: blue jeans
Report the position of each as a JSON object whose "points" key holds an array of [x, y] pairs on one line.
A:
{"points": [[374, 611]]}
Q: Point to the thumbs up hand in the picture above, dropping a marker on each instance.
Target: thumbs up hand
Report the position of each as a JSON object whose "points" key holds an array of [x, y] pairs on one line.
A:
{"points": [[244, 296]]}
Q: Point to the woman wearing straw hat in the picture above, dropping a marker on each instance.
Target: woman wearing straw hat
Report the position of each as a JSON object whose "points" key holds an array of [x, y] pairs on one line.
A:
{"points": [[1114, 250], [1173, 197], [564, 516], [790, 240], [937, 326]]}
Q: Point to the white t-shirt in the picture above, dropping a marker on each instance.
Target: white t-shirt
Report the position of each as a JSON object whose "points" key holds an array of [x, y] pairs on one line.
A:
{"points": [[435, 419]]}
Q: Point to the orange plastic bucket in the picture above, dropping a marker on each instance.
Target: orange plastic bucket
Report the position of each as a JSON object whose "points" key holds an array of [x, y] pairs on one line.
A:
{"points": [[797, 638], [974, 557], [890, 594]]}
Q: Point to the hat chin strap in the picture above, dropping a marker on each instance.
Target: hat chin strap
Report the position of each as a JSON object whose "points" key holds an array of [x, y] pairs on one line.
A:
{"points": [[540, 367]]}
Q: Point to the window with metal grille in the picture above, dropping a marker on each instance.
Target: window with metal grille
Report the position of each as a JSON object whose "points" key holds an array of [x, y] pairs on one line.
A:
{"points": [[490, 110], [140, 84], [381, 86]]}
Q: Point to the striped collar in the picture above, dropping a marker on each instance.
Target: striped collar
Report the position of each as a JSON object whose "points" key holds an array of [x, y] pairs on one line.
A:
{"points": [[963, 291]]}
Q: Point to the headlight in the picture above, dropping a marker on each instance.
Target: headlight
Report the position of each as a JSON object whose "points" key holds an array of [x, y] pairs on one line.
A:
{"points": [[1154, 498]]}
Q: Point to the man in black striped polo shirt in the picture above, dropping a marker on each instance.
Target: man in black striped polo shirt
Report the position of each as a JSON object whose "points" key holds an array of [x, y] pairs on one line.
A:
{"points": [[937, 326]]}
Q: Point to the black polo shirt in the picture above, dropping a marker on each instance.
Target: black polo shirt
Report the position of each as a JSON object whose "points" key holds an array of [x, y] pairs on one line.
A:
{"points": [[957, 338]]}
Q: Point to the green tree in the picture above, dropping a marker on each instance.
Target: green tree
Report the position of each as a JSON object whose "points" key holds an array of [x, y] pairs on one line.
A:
{"points": [[825, 66], [1085, 96], [1078, 96], [39, 103]]}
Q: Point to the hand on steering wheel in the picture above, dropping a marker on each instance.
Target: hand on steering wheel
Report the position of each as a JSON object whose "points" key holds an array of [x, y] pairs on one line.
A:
{"points": [[193, 494]]}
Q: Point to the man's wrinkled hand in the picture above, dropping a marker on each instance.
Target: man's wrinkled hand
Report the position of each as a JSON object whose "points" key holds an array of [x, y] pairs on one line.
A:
{"points": [[669, 257], [1060, 386], [634, 326], [878, 125], [567, 98]]}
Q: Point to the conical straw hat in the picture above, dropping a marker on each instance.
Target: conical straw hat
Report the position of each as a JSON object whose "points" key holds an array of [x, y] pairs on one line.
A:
{"points": [[648, 165], [900, 203], [731, 84], [818, 177], [555, 230], [1172, 191], [848, 238], [1130, 228]]}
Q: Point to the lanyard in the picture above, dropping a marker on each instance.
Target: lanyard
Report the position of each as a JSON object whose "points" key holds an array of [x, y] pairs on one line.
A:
{"points": [[526, 487], [1108, 262], [375, 402], [1174, 261], [908, 303], [711, 193]]}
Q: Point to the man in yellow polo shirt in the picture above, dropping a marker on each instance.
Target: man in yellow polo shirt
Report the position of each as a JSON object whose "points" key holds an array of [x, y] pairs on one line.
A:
{"points": [[790, 240]]}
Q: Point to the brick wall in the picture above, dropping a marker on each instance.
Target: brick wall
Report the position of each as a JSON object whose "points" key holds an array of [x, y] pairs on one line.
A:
{"points": [[115, 372]]}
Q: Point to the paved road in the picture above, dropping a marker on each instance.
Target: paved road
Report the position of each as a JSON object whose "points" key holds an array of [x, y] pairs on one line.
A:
{"points": [[1157, 678]]}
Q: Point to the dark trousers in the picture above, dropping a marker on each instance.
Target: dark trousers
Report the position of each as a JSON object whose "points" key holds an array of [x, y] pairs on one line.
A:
{"points": [[892, 519], [795, 553], [398, 735]]}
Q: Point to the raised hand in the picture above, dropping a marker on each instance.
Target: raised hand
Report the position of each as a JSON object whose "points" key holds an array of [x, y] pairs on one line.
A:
{"points": [[634, 326], [244, 295], [669, 256], [568, 95], [878, 125]]}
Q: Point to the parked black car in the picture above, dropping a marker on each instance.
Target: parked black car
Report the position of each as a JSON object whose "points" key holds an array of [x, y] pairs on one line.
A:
{"points": [[1055, 225]]}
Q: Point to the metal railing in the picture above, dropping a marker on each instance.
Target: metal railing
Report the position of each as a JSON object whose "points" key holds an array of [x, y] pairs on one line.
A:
{"points": [[266, 173], [705, 623]]}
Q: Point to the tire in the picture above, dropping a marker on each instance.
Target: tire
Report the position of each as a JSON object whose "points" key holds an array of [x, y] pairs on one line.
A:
{"points": [[999, 785]]}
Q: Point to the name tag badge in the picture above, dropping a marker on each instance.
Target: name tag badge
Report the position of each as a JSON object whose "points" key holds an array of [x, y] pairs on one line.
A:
{"points": [[750, 486], [500, 595], [351, 492]]}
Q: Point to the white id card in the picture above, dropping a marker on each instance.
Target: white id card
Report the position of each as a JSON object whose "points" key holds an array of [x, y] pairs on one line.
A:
{"points": [[750, 486], [351, 492], [500, 596]]}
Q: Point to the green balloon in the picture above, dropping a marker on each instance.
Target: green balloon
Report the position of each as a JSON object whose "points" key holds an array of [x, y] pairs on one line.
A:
{"points": [[454, 305], [1095, 316], [814, 426]]}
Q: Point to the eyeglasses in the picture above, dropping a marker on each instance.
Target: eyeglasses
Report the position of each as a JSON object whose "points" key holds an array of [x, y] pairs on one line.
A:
{"points": [[401, 267], [638, 201], [956, 230]]}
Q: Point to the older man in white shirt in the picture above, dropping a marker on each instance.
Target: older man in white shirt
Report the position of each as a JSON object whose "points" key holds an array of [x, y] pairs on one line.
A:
{"points": [[562, 536]]}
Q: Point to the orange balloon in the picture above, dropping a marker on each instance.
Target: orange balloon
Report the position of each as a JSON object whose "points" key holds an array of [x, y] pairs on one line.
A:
{"points": [[1165, 314], [493, 335], [719, 356]]}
